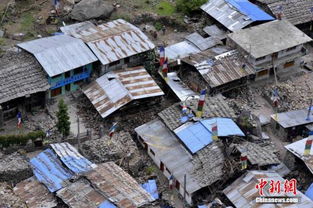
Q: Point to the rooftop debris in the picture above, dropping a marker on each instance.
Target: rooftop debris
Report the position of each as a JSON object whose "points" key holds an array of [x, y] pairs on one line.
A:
{"points": [[54, 53], [14, 168], [35, 194], [235, 14], [8, 198], [21, 75], [115, 89], [272, 37], [111, 41]]}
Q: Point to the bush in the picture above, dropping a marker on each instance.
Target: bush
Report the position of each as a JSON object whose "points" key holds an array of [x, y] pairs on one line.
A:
{"points": [[187, 6], [158, 26], [22, 139]]}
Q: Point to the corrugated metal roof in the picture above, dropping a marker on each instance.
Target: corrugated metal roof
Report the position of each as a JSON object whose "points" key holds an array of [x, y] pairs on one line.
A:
{"points": [[242, 192], [49, 170], [72, 158], [151, 188], [198, 135], [180, 50], [309, 192], [297, 148], [81, 194], [118, 186], [272, 37], [251, 10], [59, 54], [223, 68], [293, 118], [35, 194], [111, 41], [107, 204], [181, 90], [202, 43], [215, 32], [115, 89]]}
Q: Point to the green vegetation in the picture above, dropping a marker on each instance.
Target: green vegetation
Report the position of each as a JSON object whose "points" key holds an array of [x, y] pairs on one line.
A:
{"points": [[22, 139], [27, 22], [63, 123], [2, 41], [187, 6], [165, 8], [150, 170], [158, 26]]}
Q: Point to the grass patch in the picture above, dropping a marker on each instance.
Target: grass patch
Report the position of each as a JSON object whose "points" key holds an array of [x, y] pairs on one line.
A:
{"points": [[165, 8], [27, 22], [2, 42]]}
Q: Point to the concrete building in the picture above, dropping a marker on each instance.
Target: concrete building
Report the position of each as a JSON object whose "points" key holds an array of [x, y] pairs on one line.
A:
{"points": [[276, 44], [67, 61], [115, 43]]}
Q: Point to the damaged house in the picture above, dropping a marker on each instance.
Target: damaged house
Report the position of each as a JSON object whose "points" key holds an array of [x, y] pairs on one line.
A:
{"points": [[235, 14], [66, 61], [23, 84], [116, 44], [276, 44]]}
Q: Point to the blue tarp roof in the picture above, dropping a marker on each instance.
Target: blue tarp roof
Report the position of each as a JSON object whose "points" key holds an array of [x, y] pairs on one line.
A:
{"points": [[202, 206], [309, 192], [251, 10], [106, 204], [48, 169], [151, 188], [198, 135]]}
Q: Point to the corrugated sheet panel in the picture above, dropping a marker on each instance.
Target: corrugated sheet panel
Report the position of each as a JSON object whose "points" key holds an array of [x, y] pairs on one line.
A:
{"points": [[107, 204], [215, 32], [293, 118], [180, 50], [49, 170], [242, 192], [81, 195], [72, 158], [118, 186], [115, 89], [225, 126], [194, 136], [151, 188], [251, 10], [59, 54], [35, 194], [297, 148], [111, 41], [202, 43], [224, 68], [226, 14], [309, 192]]}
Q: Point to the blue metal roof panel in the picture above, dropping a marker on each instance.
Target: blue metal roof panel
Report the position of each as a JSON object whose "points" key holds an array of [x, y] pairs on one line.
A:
{"points": [[151, 188], [48, 170], [225, 126], [106, 204], [202, 206], [72, 158], [309, 192], [195, 136], [251, 10]]}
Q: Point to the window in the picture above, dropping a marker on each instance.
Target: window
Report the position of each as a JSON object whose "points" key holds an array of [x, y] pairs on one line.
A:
{"points": [[261, 58], [114, 63], [262, 73], [56, 92], [289, 64], [126, 60], [151, 151], [78, 70], [68, 87], [291, 49]]}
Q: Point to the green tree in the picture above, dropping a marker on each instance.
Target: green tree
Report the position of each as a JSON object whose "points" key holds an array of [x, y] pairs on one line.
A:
{"points": [[187, 6], [63, 123]]}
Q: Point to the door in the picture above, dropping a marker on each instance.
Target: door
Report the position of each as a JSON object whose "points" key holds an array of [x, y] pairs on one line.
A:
{"points": [[177, 185], [56, 92], [68, 87], [161, 166]]}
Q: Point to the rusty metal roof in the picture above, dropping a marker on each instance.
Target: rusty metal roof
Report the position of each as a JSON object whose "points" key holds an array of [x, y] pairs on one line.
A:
{"points": [[223, 68], [297, 148], [35, 194], [59, 54], [111, 41], [115, 89], [242, 192], [81, 195], [120, 188]]}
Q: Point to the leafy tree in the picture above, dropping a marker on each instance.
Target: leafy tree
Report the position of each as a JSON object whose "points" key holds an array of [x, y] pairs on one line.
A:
{"points": [[187, 6], [63, 123]]}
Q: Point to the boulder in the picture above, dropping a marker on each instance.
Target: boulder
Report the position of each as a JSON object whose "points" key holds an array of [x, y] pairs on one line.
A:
{"points": [[91, 9]]}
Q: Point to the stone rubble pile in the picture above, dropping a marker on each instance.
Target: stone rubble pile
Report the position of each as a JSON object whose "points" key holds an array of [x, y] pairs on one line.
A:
{"points": [[8, 198]]}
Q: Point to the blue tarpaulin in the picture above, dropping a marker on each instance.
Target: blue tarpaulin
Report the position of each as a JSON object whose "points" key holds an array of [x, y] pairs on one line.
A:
{"points": [[251, 10], [48, 169], [106, 204], [151, 188], [309, 192], [202, 206], [199, 135]]}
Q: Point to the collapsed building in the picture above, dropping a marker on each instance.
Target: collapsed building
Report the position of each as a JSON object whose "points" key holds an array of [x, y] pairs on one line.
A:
{"points": [[67, 61], [23, 84], [117, 44], [277, 47]]}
